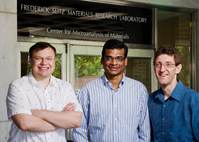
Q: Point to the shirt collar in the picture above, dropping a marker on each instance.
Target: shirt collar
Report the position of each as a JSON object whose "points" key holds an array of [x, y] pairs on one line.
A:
{"points": [[178, 91], [106, 82], [176, 94], [33, 81]]}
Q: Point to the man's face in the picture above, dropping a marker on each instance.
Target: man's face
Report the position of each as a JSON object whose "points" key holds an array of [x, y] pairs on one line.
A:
{"points": [[113, 67], [165, 70], [43, 63]]}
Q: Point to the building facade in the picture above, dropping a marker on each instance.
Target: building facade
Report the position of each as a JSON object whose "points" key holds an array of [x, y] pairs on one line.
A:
{"points": [[83, 35]]}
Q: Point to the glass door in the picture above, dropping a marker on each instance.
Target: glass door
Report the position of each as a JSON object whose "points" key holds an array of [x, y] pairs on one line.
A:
{"points": [[85, 66], [175, 28]]}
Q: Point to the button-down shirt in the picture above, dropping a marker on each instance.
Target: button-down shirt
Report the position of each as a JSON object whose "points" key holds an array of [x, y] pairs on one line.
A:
{"points": [[175, 119], [26, 93], [113, 116]]}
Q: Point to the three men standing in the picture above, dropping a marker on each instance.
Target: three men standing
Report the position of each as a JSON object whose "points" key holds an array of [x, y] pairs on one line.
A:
{"points": [[114, 106]]}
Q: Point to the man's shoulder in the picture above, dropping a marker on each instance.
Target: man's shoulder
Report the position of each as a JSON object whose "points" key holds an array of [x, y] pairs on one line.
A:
{"points": [[61, 82], [21, 81], [192, 94], [152, 95], [93, 83], [189, 90], [133, 82]]}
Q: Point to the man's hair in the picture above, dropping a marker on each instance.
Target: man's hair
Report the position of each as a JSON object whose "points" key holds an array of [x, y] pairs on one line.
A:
{"points": [[171, 51], [40, 46], [115, 44]]}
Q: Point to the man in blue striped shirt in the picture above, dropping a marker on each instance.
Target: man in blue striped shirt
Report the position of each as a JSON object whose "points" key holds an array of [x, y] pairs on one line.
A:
{"points": [[114, 106]]}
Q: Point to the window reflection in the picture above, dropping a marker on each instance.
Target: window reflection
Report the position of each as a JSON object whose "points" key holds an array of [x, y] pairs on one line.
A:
{"points": [[175, 29], [140, 69], [87, 68]]}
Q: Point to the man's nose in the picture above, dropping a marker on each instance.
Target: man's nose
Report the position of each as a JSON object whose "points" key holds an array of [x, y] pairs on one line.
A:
{"points": [[43, 61], [162, 67], [114, 61]]}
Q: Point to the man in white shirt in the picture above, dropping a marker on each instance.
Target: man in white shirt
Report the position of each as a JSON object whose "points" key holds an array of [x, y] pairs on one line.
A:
{"points": [[41, 106]]}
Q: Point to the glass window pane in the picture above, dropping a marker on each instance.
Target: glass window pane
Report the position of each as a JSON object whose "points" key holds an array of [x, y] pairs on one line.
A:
{"points": [[175, 29], [140, 69], [85, 20], [185, 73], [87, 68], [25, 66]]}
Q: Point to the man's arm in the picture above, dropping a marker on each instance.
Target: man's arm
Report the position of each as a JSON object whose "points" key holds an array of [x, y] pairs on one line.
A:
{"points": [[81, 134], [144, 123], [31, 123], [64, 119], [194, 115], [69, 117], [19, 112]]}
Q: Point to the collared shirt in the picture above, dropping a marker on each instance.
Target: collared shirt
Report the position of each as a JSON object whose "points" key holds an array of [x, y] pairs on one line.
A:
{"points": [[26, 93], [175, 119], [113, 116]]}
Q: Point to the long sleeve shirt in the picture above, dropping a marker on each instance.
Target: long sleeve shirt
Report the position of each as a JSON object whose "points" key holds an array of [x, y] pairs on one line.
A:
{"points": [[175, 119], [113, 115]]}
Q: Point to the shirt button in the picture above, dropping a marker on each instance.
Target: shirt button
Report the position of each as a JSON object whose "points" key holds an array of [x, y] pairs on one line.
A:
{"points": [[164, 105], [163, 119], [163, 133], [115, 118], [115, 131], [115, 106]]}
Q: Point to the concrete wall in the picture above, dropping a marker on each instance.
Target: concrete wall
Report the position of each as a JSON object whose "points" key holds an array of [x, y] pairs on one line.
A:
{"points": [[8, 47], [8, 58]]}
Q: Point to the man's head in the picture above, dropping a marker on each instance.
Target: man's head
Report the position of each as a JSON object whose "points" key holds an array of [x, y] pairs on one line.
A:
{"points": [[167, 64], [115, 44], [40, 46], [171, 51], [114, 58], [42, 60]]}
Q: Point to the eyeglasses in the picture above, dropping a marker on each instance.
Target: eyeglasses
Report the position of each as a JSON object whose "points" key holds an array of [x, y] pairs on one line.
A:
{"points": [[118, 59], [166, 65], [41, 59]]}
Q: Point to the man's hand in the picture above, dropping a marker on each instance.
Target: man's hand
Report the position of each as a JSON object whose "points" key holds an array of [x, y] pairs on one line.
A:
{"points": [[69, 107]]}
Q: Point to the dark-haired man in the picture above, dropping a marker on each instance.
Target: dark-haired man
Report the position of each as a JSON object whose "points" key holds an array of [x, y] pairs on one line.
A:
{"points": [[41, 106], [114, 106], [174, 108]]}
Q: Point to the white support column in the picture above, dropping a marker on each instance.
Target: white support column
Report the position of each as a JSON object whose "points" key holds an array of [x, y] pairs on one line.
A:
{"points": [[8, 58]]}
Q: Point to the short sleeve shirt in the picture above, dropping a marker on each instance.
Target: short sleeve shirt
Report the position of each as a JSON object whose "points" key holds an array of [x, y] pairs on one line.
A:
{"points": [[26, 93]]}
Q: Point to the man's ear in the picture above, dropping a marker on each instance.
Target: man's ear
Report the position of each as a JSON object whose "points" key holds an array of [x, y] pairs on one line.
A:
{"points": [[102, 59], [30, 61], [126, 61], [178, 68]]}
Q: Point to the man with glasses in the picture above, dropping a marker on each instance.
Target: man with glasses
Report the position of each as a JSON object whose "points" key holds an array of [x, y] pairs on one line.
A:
{"points": [[174, 108], [41, 106], [114, 106]]}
